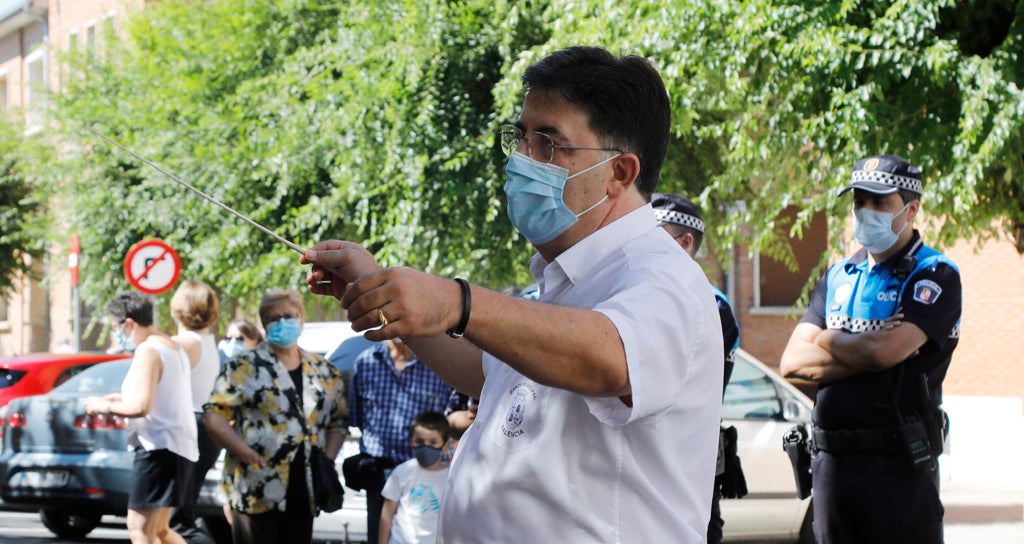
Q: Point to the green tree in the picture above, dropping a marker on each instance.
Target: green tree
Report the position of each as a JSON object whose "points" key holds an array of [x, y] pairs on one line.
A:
{"points": [[375, 122], [318, 119], [22, 223]]}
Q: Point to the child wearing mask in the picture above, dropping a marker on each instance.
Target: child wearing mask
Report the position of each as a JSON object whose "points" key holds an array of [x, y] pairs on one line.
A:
{"points": [[412, 494]]}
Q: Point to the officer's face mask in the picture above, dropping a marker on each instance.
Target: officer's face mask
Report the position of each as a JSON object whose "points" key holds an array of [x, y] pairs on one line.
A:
{"points": [[873, 229]]}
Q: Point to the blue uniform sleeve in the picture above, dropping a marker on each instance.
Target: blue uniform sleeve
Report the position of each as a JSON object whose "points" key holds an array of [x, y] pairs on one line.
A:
{"points": [[932, 300]]}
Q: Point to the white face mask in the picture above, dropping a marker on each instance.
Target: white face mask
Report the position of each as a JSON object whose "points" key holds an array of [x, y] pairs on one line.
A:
{"points": [[873, 229]]}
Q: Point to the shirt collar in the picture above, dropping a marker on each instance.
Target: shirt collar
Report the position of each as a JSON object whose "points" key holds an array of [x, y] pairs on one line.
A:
{"points": [[578, 261]]}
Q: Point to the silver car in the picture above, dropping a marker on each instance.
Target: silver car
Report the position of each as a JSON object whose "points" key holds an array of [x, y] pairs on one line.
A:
{"points": [[762, 406]]}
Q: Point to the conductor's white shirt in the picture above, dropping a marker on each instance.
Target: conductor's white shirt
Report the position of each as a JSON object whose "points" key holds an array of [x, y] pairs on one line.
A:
{"points": [[542, 464]]}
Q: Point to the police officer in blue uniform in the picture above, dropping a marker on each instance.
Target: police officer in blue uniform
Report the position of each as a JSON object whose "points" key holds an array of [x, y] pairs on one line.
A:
{"points": [[878, 336], [680, 217]]}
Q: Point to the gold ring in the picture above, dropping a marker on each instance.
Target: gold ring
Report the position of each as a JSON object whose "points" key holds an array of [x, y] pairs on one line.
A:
{"points": [[383, 320]]}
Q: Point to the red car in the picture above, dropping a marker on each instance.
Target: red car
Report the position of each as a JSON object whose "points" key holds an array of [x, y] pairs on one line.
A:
{"points": [[37, 373]]}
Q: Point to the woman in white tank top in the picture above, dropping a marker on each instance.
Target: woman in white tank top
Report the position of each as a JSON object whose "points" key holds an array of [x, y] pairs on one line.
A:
{"points": [[195, 308], [156, 397]]}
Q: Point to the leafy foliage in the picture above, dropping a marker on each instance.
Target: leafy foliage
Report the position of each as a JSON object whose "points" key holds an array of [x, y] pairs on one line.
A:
{"points": [[375, 122], [22, 222]]}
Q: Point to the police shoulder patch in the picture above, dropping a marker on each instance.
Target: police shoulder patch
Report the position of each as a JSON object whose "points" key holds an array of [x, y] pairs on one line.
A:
{"points": [[927, 291]]}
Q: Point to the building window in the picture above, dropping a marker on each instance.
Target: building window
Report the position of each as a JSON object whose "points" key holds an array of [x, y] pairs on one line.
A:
{"points": [[90, 41], [3, 310], [3, 91], [35, 90], [775, 285]]}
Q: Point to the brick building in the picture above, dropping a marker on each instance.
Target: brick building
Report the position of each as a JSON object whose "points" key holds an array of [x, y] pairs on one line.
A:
{"points": [[38, 316]]}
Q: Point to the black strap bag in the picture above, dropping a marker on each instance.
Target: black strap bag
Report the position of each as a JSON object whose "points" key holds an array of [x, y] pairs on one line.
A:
{"points": [[328, 493]]}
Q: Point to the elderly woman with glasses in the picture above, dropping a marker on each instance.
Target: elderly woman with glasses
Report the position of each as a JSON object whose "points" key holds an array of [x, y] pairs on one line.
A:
{"points": [[269, 407]]}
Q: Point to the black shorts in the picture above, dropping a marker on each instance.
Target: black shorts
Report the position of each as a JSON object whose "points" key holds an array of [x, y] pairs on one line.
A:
{"points": [[159, 480]]}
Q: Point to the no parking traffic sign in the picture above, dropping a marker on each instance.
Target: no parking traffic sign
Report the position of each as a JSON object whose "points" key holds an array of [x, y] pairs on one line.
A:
{"points": [[152, 266]]}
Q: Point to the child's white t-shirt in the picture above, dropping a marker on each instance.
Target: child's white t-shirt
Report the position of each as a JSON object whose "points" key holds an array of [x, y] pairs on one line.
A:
{"points": [[418, 493]]}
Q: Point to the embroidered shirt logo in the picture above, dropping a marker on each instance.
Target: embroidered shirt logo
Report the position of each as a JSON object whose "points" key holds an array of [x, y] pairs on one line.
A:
{"points": [[927, 291], [522, 393]]}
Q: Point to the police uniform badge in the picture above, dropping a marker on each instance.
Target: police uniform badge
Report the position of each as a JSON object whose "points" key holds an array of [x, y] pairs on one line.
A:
{"points": [[927, 291]]}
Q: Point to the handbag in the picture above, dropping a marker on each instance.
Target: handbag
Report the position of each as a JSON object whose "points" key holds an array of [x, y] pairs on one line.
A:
{"points": [[328, 493]]}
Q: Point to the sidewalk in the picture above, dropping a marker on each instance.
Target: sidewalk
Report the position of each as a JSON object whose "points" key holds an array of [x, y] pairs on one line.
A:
{"points": [[973, 502]]}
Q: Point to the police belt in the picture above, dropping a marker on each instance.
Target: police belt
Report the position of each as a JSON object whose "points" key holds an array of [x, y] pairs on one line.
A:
{"points": [[857, 440]]}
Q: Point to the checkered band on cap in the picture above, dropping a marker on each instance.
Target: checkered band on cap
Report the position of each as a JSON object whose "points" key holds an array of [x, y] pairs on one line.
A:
{"points": [[686, 220], [886, 178]]}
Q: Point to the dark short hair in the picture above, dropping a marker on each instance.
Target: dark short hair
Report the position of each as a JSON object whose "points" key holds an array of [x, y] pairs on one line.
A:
{"points": [[909, 196], [248, 329], [624, 97], [434, 421], [131, 304]]}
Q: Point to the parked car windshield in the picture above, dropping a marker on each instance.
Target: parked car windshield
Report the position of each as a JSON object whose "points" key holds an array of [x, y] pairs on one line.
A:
{"points": [[751, 394], [99, 379]]}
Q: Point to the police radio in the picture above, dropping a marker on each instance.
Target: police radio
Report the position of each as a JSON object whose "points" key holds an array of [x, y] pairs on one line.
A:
{"points": [[907, 263], [915, 439]]}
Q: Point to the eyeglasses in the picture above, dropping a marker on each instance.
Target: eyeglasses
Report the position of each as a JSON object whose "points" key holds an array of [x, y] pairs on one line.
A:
{"points": [[541, 148], [275, 318]]}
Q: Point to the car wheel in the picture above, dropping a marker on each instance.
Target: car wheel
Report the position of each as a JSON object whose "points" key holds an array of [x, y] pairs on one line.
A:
{"points": [[66, 525], [807, 527]]}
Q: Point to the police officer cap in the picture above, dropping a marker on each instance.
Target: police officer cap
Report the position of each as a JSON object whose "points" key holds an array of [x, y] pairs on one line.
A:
{"points": [[884, 175], [678, 210]]}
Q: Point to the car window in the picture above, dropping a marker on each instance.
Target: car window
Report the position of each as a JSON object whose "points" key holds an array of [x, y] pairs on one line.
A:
{"points": [[750, 394], [98, 379], [10, 377], [70, 372]]}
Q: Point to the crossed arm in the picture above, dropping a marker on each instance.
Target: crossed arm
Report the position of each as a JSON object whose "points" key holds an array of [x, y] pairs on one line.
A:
{"points": [[827, 356]]}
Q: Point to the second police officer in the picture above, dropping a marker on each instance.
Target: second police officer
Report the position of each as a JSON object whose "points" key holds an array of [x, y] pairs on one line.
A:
{"points": [[878, 336], [681, 219]]}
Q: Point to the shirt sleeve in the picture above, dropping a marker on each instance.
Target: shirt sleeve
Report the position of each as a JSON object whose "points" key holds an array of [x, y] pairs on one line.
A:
{"points": [[355, 403], [815, 314], [393, 486], [667, 320], [226, 397], [335, 390], [932, 300]]}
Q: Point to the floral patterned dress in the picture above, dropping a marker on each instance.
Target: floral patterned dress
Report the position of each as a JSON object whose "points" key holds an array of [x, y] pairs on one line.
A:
{"points": [[256, 394]]}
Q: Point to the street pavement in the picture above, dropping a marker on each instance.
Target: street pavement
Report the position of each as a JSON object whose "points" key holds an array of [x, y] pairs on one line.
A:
{"points": [[983, 513], [976, 513]]}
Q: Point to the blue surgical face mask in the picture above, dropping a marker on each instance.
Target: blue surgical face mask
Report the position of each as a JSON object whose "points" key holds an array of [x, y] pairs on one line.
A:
{"points": [[123, 340], [426, 456], [535, 197], [873, 229], [233, 348], [283, 333]]}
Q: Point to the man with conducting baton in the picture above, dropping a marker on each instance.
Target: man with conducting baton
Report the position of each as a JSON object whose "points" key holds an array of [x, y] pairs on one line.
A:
{"points": [[599, 411]]}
